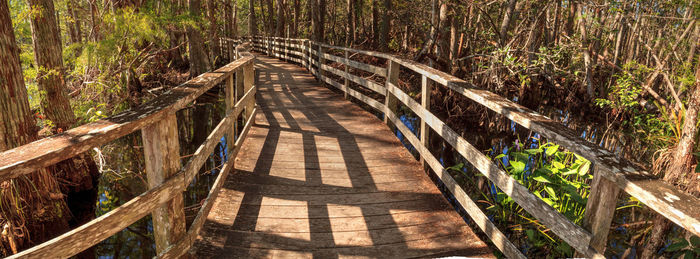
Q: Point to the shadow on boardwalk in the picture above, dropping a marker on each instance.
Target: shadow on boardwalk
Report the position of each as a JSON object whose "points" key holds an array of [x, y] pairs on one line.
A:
{"points": [[319, 177]]}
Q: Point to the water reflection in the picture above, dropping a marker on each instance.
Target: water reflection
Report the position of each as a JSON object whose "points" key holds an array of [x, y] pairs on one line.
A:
{"points": [[123, 175]]}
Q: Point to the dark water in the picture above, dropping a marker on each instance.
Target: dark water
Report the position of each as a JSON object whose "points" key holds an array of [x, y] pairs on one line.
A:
{"points": [[123, 177]]}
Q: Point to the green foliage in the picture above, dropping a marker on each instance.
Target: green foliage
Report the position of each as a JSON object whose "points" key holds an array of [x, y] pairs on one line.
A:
{"points": [[624, 93], [560, 178], [685, 248]]}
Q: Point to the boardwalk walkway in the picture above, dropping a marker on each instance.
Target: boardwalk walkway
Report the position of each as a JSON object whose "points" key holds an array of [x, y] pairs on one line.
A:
{"points": [[320, 177]]}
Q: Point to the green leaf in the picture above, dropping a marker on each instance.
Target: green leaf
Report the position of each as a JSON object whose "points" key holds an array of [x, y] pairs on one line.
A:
{"points": [[457, 167], [550, 191], [552, 149], [530, 234], [518, 166], [677, 246], [569, 172], [542, 179], [533, 151], [695, 240], [584, 168], [558, 164]]}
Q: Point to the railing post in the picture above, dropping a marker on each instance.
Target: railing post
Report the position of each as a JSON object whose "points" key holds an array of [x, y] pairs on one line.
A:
{"points": [[231, 98], [390, 102], [426, 89], [600, 209], [347, 82], [308, 51], [248, 82], [161, 149], [319, 72]]}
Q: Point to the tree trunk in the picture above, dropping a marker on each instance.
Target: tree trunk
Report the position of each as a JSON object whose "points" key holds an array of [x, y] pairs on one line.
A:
{"points": [[375, 22], [94, 21], [349, 25], [252, 25], [507, 18], [214, 34], [297, 15], [270, 19], [280, 18], [680, 170], [586, 48], [33, 206], [199, 63], [73, 23], [386, 23]]}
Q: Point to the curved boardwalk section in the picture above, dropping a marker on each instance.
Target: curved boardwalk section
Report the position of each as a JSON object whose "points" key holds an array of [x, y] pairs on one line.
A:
{"points": [[320, 177]]}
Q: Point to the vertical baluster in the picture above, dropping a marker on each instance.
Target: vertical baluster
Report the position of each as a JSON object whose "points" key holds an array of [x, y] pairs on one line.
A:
{"points": [[426, 89], [161, 149], [392, 79], [319, 72], [248, 81], [347, 82], [308, 63], [600, 209]]}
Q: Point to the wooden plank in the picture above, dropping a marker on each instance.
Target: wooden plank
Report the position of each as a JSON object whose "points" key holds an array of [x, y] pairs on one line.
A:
{"points": [[180, 248], [478, 216], [48, 151], [666, 199], [366, 99], [392, 77], [600, 209], [426, 91], [574, 235], [359, 80], [161, 148], [99, 229], [359, 65]]}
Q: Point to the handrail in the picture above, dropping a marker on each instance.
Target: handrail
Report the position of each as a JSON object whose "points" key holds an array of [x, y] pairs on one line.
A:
{"points": [[611, 174], [167, 180]]}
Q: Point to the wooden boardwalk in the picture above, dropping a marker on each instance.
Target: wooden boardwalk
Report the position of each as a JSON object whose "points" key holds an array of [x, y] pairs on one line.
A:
{"points": [[320, 177]]}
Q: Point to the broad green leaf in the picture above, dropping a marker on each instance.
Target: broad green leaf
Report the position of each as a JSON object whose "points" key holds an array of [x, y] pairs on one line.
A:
{"points": [[584, 168], [533, 151], [569, 171], [558, 164], [695, 240], [518, 166], [542, 179], [550, 191], [551, 150], [677, 246]]}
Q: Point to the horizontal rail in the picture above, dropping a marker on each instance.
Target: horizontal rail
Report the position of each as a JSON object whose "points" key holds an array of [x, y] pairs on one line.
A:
{"points": [[48, 151], [81, 139], [665, 199]]}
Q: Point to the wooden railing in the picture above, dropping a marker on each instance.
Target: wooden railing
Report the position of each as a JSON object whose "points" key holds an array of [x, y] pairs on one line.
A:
{"points": [[167, 179], [610, 173]]}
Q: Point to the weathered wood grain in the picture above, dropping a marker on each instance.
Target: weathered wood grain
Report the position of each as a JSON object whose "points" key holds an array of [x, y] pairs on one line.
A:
{"points": [[161, 149], [359, 65], [333, 198], [574, 235], [359, 80], [48, 151]]}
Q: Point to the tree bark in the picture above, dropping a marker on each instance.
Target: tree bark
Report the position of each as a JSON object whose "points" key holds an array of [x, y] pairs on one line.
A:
{"points": [[25, 199], [350, 26], [79, 175], [386, 23], [252, 25], [280, 18], [199, 63], [680, 170], [507, 18], [214, 34], [74, 23]]}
